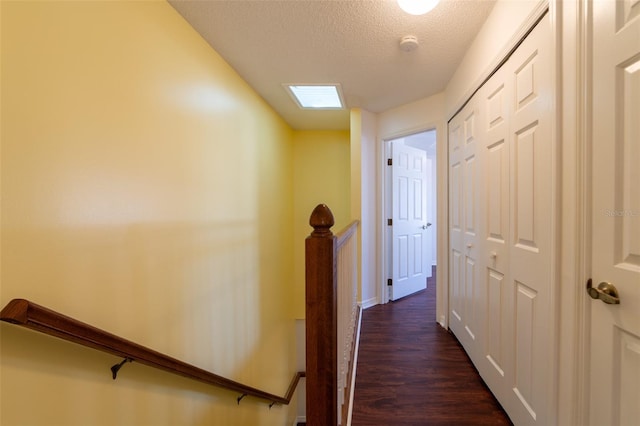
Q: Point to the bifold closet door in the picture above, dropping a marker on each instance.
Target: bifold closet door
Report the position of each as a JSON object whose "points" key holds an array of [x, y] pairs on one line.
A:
{"points": [[495, 361], [531, 265], [502, 278], [464, 227]]}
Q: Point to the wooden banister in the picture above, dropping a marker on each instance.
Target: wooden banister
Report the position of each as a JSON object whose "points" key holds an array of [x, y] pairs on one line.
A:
{"points": [[346, 233], [322, 332], [28, 314], [321, 320]]}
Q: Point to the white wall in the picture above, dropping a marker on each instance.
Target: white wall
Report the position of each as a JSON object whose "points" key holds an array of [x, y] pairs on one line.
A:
{"points": [[369, 293], [424, 114]]}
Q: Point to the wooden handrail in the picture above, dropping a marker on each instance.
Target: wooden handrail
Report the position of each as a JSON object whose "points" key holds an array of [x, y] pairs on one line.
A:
{"points": [[28, 314], [345, 234]]}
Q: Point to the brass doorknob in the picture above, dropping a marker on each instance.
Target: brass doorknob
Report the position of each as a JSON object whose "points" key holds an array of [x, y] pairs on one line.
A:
{"points": [[605, 291]]}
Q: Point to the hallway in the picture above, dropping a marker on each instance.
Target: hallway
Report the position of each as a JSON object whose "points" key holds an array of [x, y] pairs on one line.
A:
{"points": [[412, 372]]}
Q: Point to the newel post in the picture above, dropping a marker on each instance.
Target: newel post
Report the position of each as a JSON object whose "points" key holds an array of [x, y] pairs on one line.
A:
{"points": [[321, 320]]}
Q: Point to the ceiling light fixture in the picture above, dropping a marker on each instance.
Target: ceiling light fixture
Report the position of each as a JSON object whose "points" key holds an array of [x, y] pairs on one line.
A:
{"points": [[316, 96], [417, 7]]}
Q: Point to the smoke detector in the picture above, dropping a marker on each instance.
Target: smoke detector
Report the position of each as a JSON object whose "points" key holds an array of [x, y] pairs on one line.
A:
{"points": [[408, 43]]}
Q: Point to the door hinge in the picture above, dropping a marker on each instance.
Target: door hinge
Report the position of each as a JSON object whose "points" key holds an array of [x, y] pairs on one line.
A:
{"points": [[389, 282], [389, 162], [389, 222]]}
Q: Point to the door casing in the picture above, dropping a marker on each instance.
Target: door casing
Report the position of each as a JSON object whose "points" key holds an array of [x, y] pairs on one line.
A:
{"points": [[386, 267]]}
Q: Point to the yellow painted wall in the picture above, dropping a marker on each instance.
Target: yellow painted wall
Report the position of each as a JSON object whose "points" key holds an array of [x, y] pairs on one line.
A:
{"points": [[321, 175], [146, 190]]}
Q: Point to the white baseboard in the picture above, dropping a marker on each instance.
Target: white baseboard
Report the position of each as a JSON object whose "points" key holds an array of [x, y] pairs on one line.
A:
{"points": [[355, 367], [300, 419], [369, 303]]}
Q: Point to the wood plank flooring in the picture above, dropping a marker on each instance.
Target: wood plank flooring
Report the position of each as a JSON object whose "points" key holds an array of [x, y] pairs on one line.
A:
{"points": [[411, 371]]}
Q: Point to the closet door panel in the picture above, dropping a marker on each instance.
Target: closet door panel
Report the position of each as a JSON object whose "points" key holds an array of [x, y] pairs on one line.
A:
{"points": [[470, 249], [456, 209], [495, 366], [471, 214], [531, 206], [494, 349], [464, 197]]}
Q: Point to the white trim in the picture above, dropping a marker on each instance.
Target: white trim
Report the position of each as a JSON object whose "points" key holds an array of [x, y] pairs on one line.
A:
{"points": [[574, 136], [366, 304], [442, 231], [384, 273], [354, 369], [556, 205], [442, 321], [382, 152], [442, 194], [414, 130], [299, 419], [583, 189]]}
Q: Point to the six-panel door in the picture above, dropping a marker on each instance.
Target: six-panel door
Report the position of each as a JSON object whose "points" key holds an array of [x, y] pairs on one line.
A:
{"points": [[615, 214]]}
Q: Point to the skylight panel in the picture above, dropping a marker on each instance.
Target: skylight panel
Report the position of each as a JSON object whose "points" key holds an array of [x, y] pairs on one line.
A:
{"points": [[316, 96]]}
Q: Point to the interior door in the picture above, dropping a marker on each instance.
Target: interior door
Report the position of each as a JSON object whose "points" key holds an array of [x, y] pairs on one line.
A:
{"points": [[532, 235], [615, 232], [409, 220]]}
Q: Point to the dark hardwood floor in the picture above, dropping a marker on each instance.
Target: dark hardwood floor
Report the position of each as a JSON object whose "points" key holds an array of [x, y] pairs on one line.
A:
{"points": [[411, 371]]}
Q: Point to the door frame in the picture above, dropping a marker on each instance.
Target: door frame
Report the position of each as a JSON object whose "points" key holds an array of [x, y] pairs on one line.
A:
{"points": [[572, 35], [387, 190], [383, 200]]}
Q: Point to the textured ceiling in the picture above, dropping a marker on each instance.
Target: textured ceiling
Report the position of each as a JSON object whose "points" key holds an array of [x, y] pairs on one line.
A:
{"points": [[354, 43]]}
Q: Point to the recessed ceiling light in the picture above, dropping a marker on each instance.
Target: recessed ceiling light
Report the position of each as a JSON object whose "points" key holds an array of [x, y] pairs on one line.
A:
{"points": [[417, 7], [316, 96]]}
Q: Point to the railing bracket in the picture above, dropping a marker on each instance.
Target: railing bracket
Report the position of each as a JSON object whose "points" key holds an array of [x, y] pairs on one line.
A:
{"points": [[240, 398], [272, 404], [117, 367]]}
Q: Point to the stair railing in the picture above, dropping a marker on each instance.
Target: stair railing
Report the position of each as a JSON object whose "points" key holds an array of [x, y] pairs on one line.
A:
{"points": [[332, 319], [30, 315]]}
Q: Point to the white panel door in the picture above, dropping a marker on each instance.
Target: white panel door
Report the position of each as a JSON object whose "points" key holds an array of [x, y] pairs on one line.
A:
{"points": [[456, 238], [464, 228], [531, 267], [409, 226], [494, 364], [615, 233]]}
